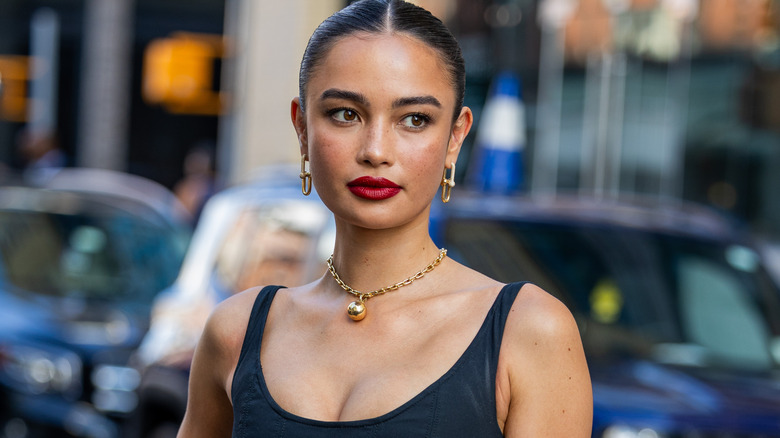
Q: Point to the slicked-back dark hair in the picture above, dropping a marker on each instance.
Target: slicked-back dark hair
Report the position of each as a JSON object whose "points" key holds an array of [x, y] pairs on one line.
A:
{"points": [[385, 16]]}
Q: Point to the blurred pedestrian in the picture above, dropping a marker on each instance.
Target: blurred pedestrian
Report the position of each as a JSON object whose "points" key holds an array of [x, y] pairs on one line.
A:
{"points": [[445, 352], [198, 183], [41, 154]]}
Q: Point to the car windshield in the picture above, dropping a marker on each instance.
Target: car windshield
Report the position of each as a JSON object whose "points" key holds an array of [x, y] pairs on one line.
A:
{"points": [[89, 250], [273, 242], [673, 299]]}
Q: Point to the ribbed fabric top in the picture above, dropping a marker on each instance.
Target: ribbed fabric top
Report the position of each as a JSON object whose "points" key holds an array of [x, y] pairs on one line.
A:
{"points": [[461, 403]]}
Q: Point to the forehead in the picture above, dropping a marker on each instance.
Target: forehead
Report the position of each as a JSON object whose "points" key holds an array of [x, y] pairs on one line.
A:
{"points": [[394, 63]]}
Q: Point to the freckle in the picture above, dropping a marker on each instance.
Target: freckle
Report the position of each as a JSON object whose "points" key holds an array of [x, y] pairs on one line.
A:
{"points": [[535, 343], [563, 411]]}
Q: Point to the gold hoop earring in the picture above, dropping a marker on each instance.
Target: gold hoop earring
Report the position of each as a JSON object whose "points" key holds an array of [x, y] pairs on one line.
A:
{"points": [[447, 184], [305, 177]]}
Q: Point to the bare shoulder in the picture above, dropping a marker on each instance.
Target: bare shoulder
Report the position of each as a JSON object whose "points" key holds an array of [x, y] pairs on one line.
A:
{"points": [[539, 329], [233, 312], [226, 326], [538, 315], [544, 383], [209, 409]]}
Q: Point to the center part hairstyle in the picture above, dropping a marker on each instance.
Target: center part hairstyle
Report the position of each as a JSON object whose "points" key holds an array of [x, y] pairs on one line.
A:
{"points": [[386, 17]]}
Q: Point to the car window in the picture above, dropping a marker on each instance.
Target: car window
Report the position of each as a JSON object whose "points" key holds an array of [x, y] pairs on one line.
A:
{"points": [[636, 293], [100, 253], [718, 314], [273, 243]]}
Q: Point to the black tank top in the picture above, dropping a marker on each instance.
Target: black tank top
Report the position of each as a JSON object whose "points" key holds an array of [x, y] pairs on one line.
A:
{"points": [[461, 403]]}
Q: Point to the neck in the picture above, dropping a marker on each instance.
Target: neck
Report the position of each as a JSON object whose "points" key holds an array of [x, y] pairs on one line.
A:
{"points": [[371, 259]]}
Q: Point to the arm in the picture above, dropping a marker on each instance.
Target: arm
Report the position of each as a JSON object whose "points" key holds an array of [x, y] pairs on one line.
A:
{"points": [[544, 381], [209, 408]]}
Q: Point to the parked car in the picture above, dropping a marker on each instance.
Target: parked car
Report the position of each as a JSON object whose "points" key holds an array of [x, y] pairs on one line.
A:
{"points": [[264, 232], [679, 317], [81, 258], [771, 252]]}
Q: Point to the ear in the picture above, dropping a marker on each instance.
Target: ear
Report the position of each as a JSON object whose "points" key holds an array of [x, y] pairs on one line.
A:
{"points": [[299, 122], [460, 129]]}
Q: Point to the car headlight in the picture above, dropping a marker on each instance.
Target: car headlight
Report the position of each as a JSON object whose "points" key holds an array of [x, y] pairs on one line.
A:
{"points": [[40, 369], [619, 431], [115, 388]]}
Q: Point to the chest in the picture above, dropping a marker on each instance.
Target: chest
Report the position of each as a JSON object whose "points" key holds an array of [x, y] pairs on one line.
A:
{"points": [[353, 372]]}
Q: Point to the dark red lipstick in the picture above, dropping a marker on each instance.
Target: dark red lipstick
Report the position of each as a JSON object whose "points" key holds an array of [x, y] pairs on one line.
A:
{"points": [[375, 189]]}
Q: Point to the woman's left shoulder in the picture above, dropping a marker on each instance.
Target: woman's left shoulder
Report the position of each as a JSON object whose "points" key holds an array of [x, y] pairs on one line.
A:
{"points": [[538, 315], [542, 359], [540, 329]]}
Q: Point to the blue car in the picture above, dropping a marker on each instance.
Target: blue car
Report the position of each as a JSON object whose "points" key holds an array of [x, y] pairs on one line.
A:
{"points": [[679, 318], [81, 260]]}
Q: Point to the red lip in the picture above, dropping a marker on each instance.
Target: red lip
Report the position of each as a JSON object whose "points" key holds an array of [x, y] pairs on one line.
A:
{"points": [[375, 189]]}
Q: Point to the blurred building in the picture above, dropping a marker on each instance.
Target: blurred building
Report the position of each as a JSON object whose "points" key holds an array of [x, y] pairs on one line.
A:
{"points": [[667, 97], [97, 111]]}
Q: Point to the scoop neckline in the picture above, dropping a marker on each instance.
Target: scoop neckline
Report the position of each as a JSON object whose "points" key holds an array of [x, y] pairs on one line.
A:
{"points": [[260, 377]]}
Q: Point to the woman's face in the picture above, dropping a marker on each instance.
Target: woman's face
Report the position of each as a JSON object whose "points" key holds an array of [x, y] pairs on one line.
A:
{"points": [[378, 128]]}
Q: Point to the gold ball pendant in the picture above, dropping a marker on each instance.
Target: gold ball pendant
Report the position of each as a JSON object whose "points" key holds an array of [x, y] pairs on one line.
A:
{"points": [[356, 310]]}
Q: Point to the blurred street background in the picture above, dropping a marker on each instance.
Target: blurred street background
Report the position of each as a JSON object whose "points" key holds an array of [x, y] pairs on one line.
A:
{"points": [[672, 98], [148, 130]]}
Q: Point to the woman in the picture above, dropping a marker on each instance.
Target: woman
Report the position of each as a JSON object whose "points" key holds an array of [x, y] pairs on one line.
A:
{"points": [[446, 352]]}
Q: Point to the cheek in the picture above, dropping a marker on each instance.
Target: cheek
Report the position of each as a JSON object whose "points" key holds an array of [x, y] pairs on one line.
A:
{"points": [[427, 163], [325, 154]]}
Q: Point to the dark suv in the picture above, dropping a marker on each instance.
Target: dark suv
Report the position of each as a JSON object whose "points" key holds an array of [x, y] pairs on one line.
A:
{"points": [[80, 264], [679, 318]]}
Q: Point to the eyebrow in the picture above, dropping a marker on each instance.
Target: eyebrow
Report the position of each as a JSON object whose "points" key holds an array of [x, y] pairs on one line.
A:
{"points": [[335, 93], [417, 100]]}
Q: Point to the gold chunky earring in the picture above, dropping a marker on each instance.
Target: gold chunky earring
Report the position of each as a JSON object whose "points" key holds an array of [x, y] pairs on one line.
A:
{"points": [[305, 177], [447, 184]]}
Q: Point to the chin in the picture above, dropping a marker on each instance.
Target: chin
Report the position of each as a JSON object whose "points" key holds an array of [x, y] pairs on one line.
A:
{"points": [[387, 219]]}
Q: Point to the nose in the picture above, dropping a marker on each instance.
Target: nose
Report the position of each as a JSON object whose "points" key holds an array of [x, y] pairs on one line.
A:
{"points": [[376, 147]]}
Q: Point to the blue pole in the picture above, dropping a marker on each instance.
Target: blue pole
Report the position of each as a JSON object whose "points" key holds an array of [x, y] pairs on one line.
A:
{"points": [[497, 161]]}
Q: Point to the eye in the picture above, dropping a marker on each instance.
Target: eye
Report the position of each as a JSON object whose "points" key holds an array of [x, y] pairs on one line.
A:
{"points": [[344, 115], [416, 120]]}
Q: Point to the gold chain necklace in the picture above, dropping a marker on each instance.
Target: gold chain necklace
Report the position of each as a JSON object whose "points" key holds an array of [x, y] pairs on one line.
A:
{"points": [[357, 309]]}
